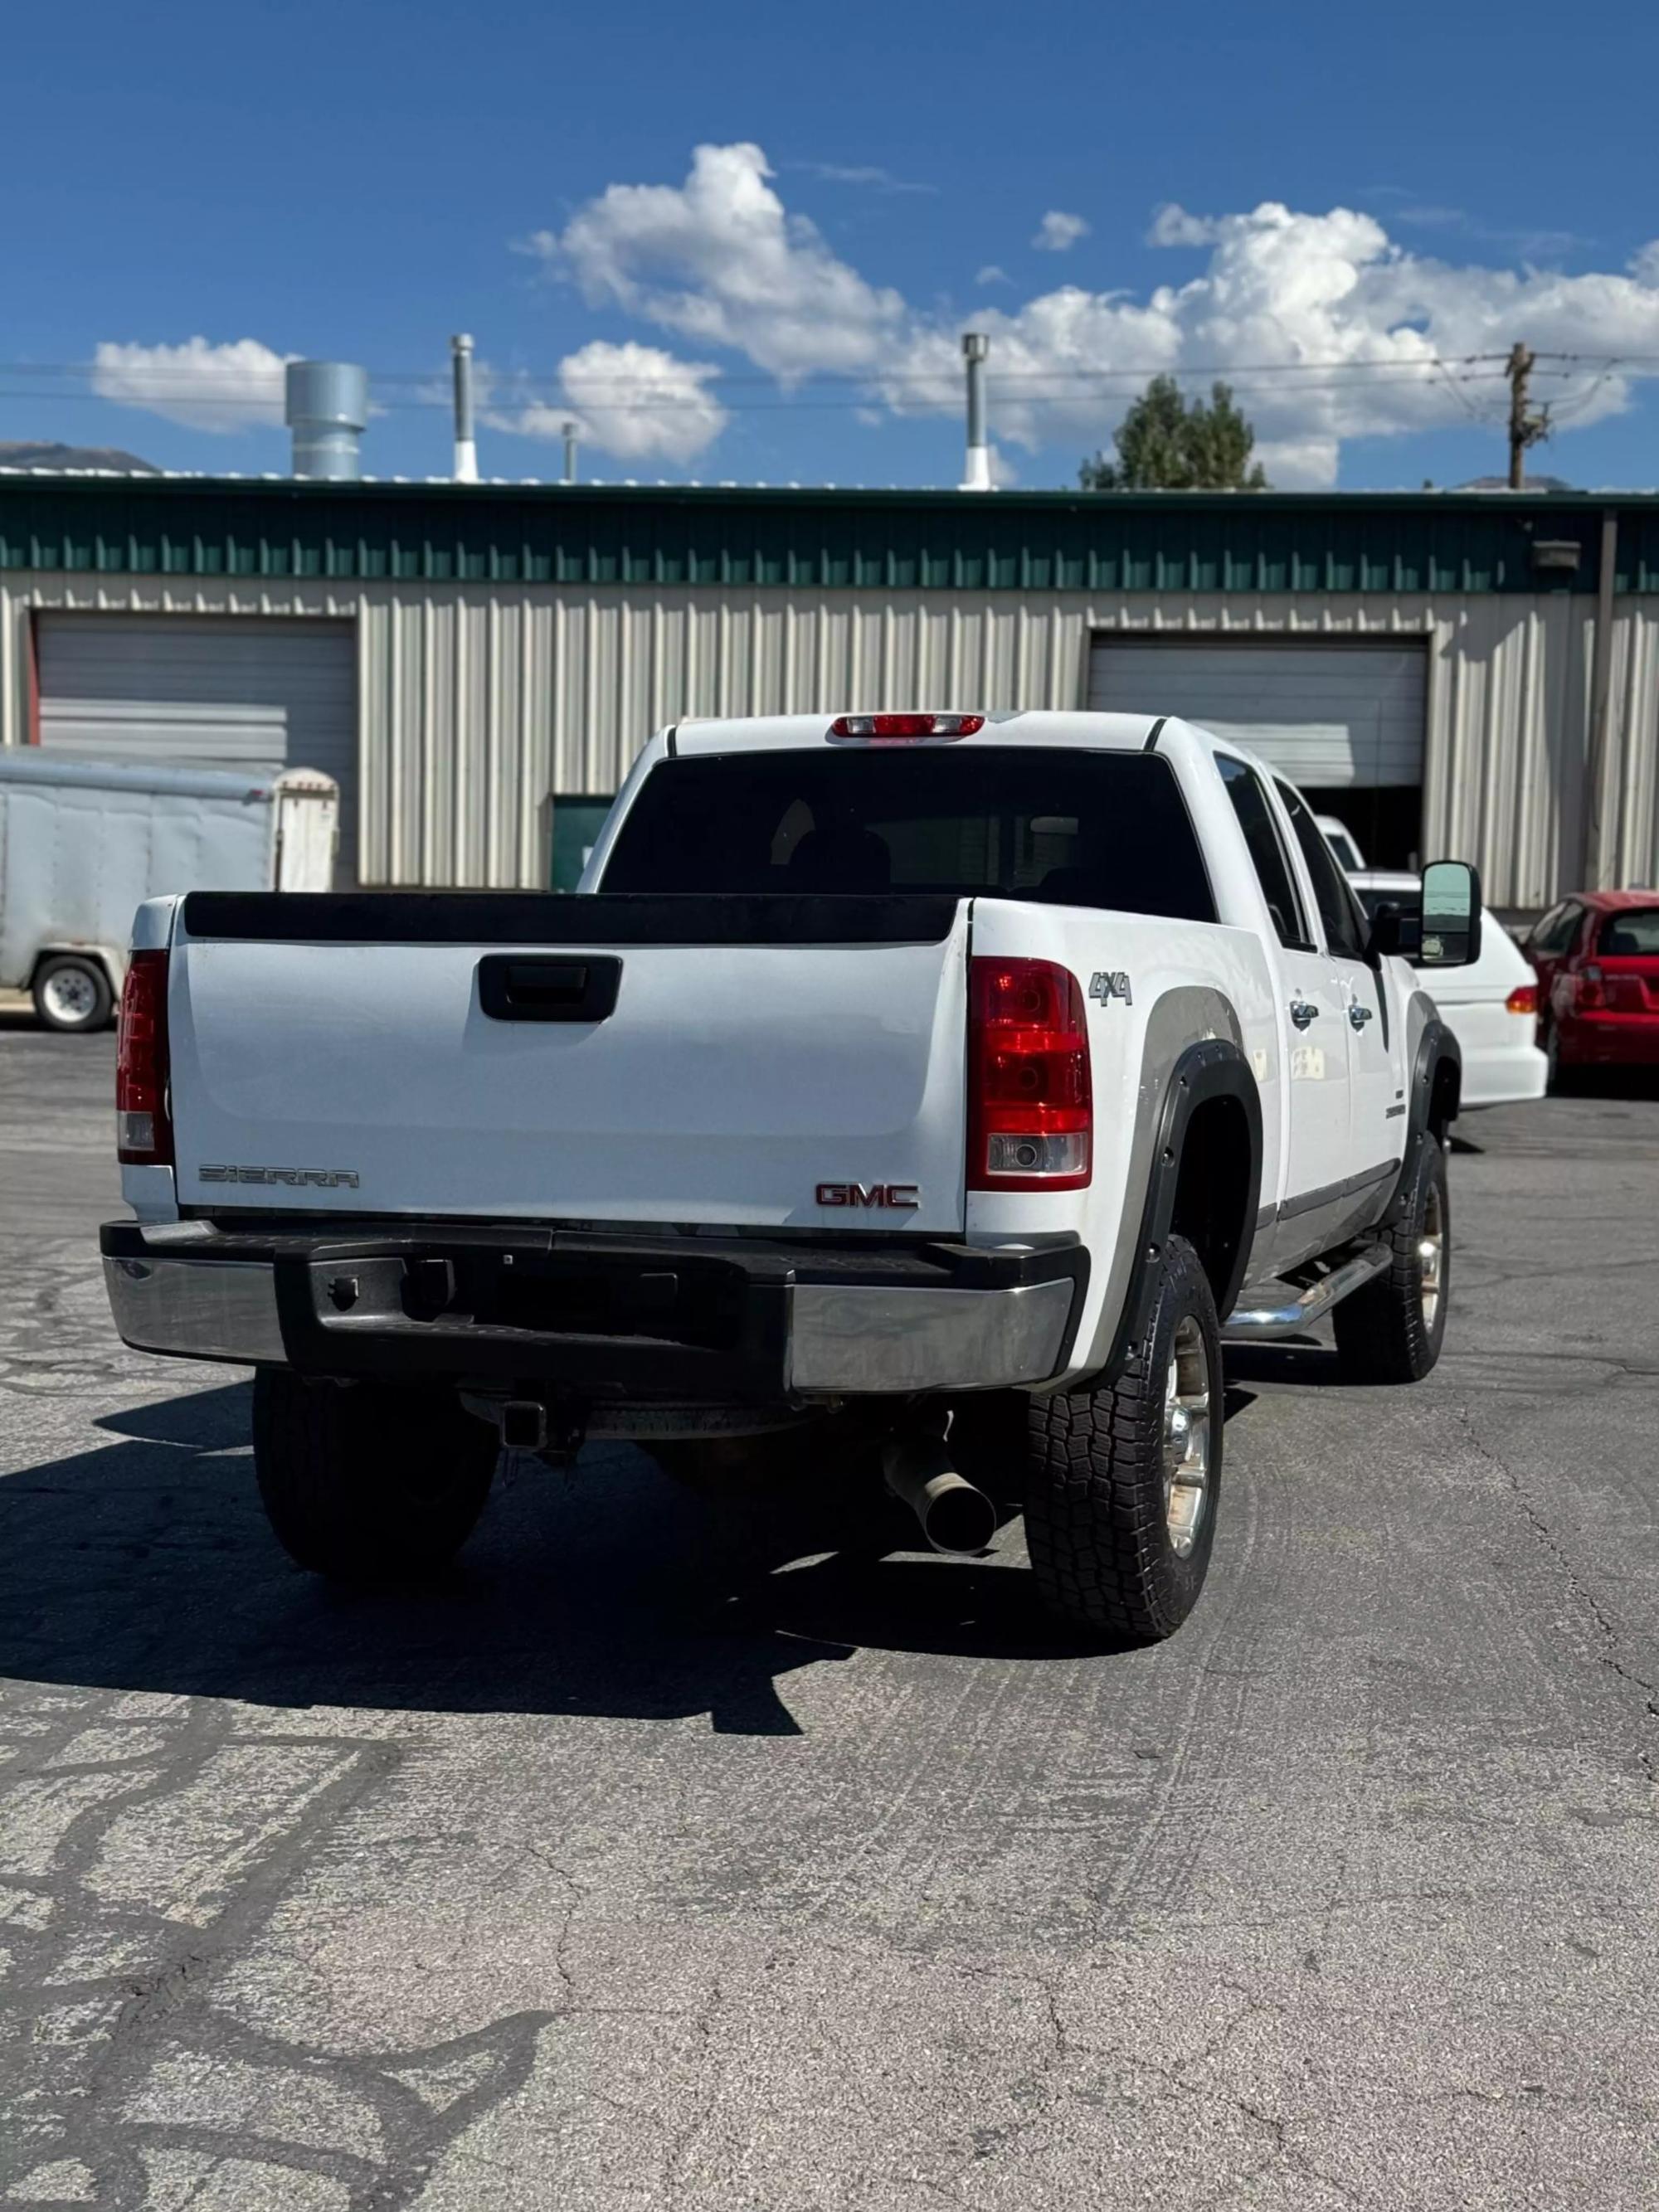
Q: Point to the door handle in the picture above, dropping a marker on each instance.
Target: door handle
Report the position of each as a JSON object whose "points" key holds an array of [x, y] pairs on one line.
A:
{"points": [[1303, 1011], [1359, 1015]]}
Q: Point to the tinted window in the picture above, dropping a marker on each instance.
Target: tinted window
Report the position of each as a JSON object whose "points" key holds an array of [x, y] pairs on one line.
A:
{"points": [[1408, 904], [1557, 930], [1633, 936], [1332, 892], [1267, 856], [1066, 829]]}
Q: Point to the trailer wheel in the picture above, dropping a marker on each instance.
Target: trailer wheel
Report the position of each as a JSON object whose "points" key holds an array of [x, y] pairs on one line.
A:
{"points": [[72, 994], [1392, 1330], [1122, 1481], [365, 1483]]}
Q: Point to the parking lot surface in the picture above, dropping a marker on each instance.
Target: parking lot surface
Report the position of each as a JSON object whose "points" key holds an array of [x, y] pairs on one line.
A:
{"points": [[670, 1856]]}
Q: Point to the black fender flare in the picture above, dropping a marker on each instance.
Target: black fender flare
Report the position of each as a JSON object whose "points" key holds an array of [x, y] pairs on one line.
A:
{"points": [[1435, 1047], [1216, 1068]]}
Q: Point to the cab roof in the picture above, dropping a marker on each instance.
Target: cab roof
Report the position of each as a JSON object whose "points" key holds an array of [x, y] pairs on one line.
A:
{"points": [[1003, 726]]}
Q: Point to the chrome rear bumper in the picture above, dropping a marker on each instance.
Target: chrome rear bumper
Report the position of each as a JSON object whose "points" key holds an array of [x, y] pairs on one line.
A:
{"points": [[790, 1323]]}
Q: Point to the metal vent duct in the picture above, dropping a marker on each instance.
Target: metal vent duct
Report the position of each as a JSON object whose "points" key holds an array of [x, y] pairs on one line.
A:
{"points": [[327, 407]]}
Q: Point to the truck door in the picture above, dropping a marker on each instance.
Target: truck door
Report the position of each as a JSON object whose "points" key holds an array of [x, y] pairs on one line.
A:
{"points": [[1375, 1089], [1313, 1021]]}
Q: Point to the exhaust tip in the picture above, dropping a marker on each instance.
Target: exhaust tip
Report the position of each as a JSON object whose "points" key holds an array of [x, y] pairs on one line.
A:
{"points": [[960, 1520], [955, 1517]]}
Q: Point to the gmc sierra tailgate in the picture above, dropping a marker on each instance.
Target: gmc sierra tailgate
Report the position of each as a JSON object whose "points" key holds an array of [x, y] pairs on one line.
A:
{"points": [[768, 1061]]}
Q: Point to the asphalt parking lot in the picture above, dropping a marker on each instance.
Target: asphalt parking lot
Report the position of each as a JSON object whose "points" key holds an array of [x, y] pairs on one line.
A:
{"points": [[663, 1857]]}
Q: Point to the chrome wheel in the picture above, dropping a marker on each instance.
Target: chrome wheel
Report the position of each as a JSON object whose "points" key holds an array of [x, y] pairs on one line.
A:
{"points": [[1187, 1437], [1432, 1256], [70, 996]]}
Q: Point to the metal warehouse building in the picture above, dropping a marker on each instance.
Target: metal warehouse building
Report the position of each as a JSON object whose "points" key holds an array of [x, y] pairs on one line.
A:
{"points": [[1473, 673]]}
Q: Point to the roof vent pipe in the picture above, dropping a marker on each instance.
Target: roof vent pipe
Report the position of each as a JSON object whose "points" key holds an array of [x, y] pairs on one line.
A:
{"points": [[570, 452], [327, 407], [976, 477], [466, 450]]}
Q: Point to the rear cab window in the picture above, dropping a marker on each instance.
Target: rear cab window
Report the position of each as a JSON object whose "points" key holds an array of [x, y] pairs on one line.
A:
{"points": [[1057, 826]]}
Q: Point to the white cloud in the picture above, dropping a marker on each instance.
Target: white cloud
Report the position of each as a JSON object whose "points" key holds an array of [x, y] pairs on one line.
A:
{"points": [[1058, 232], [1328, 328], [992, 275], [635, 402], [720, 261], [1173, 225], [234, 386]]}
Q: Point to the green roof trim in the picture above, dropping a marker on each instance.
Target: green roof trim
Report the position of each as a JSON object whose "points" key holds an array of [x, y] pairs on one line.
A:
{"points": [[1244, 541]]}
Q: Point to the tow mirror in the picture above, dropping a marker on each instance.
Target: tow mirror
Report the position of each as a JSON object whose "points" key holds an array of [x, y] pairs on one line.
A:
{"points": [[1451, 915]]}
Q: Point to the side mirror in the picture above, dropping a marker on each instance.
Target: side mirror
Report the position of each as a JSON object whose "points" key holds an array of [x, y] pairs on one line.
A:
{"points": [[1451, 915]]}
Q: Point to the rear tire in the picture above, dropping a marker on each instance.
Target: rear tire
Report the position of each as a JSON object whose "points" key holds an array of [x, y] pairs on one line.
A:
{"points": [[72, 996], [1124, 1480], [1392, 1330], [365, 1483]]}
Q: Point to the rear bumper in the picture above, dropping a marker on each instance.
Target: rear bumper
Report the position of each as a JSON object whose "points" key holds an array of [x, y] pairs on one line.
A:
{"points": [[1502, 1075], [1610, 1040], [685, 1320]]}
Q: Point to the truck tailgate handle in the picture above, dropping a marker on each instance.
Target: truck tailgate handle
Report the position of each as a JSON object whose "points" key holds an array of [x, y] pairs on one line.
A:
{"points": [[513, 986]]}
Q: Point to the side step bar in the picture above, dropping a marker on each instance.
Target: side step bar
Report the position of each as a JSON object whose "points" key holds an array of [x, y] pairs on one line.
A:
{"points": [[1280, 1313]]}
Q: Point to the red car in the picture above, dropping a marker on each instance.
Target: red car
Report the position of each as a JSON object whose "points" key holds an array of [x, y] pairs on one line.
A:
{"points": [[1597, 957]]}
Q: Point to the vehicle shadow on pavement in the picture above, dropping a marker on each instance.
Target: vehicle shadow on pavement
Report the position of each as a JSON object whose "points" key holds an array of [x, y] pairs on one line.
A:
{"points": [[145, 1563], [1307, 1364]]}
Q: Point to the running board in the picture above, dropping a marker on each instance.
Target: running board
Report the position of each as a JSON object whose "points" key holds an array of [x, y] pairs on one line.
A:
{"points": [[1295, 1314]]}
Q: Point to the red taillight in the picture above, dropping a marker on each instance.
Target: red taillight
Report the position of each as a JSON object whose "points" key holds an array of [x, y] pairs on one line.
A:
{"points": [[1522, 1000], [1031, 1112], [1588, 994], [891, 729], [143, 1131]]}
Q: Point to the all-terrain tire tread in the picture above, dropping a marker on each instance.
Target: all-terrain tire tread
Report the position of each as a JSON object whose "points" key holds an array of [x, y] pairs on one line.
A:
{"points": [[1381, 1334], [1094, 1513]]}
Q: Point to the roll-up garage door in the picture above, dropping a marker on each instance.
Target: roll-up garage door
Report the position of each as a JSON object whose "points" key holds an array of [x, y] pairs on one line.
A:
{"points": [[1328, 716], [215, 692]]}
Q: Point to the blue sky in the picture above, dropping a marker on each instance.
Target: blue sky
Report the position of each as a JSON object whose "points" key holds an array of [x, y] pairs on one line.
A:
{"points": [[1353, 211]]}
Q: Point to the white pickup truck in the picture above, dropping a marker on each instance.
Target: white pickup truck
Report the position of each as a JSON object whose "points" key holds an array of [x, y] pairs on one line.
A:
{"points": [[948, 1084]]}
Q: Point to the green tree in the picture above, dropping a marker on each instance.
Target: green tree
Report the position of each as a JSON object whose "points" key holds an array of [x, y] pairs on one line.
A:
{"points": [[1167, 443]]}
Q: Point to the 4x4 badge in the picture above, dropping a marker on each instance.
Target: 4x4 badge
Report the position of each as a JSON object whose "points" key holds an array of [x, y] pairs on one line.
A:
{"points": [[1108, 983]]}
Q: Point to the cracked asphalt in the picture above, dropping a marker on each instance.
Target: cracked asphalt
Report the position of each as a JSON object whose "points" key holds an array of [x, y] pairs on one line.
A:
{"points": [[670, 1857]]}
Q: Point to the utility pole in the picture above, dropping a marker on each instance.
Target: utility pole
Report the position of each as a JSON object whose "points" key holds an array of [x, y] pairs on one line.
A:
{"points": [[1525, 429]]}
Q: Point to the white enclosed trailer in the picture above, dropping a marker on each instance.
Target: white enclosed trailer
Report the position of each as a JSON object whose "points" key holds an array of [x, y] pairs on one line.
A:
{"points": [[84, 843]]}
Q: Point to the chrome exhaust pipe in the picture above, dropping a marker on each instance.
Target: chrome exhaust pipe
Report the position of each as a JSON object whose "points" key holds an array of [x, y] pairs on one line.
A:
{"points": [[955, 1517]]}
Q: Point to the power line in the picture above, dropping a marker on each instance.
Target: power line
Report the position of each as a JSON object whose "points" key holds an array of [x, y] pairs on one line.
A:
{"points": [[634, 396], [436, 379]]}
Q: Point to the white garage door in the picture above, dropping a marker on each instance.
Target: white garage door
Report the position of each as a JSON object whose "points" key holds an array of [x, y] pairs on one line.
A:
{"points": [[230, 693], [1324, 715]]}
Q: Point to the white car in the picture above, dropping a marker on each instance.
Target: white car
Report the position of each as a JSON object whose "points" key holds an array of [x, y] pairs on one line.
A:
{"points": [[1491, 1007], [1340, 839]]}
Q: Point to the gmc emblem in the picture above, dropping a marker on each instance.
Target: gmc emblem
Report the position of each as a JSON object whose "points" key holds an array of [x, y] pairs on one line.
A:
{"points": [[901, 1196]]}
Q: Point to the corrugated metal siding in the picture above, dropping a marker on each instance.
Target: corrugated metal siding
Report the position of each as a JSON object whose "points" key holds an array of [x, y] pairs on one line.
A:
{"points": [[476, 704]]}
